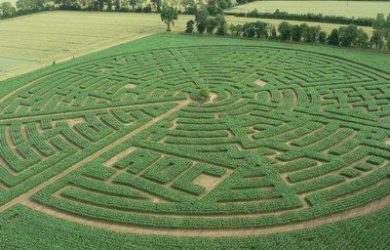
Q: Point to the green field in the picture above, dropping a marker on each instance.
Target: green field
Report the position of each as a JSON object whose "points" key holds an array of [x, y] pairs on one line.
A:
{"points": [[176, 141], [336, 8], [30, 42]]}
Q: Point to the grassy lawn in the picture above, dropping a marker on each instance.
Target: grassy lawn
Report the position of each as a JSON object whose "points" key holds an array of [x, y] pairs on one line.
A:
{"points": [[337, 8]]}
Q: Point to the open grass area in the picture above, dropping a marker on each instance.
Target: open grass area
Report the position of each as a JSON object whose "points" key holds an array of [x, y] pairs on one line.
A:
{"points": [[336, 8], [33, 41], [176, 141]]}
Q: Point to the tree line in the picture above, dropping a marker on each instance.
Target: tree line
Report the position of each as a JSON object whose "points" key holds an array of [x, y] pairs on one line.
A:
{"points": [[345, 36], [361, 21], [185, 6]]}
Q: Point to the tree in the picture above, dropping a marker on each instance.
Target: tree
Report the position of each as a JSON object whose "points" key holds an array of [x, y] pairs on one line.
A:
{"points": [[249, 30], [383, 26], [213, 8], [109, 5], [274, 35], [362, 39], [333, 38], [27, 5], [168, 16], [189, 6], [200, 20], [284, 31], [261, 29], [117, 4], [7, 10], [156, 4], [211, 24], [311, 33], [190, 26], [296, 33], [348, 35], [379, 22], [377, 39], [221, 25], [236, 30], [322, 37], [134, 3]]}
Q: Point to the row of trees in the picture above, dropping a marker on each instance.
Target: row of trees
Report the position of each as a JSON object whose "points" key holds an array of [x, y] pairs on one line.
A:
{"points": [[182, 6], [381, 35], [346, 36], [361, 21]]}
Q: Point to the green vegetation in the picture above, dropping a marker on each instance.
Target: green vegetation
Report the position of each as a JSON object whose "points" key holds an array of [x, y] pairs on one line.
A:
{"points": [[292, 136], [168, 16], [16, 232], [346, 36], [26, 47], [366, 21], [328, 8]]}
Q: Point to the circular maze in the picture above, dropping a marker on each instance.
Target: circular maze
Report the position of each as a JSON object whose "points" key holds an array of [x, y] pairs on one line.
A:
{"points": [[286, 137]]}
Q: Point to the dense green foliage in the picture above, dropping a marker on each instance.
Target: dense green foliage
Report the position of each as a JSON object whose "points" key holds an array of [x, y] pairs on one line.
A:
{"points": [[168, 16], [233, 134], [345, 36], [17, 232], [361, 21]]}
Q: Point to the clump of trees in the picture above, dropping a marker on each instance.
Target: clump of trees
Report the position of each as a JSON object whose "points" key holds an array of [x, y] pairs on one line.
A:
{"points": [[23, 7], [380, 38], [346, 36], [7, 10]]}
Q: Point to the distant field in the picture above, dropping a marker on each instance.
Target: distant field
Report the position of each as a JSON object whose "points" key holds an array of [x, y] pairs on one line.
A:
{"points": [[12, 1], [32, 41], [337, 8]]}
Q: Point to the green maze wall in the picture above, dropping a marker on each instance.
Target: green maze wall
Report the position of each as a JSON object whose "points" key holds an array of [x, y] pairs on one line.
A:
{"points": [[287, 136]]}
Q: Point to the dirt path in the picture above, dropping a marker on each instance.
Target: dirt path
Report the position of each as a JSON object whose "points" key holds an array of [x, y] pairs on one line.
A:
{"points": [[209, 233], [25, 196], [53, 115]]}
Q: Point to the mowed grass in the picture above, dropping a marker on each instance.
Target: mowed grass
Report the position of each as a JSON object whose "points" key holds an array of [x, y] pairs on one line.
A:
{"points": [[337, 8], [30, 42]]}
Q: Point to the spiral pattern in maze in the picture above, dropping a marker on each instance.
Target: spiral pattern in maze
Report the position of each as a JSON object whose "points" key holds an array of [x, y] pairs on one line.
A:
{"points": [[286, 136]]}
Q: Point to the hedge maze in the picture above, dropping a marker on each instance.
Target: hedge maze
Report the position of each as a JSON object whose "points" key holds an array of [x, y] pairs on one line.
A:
{"points": [[286, 136]]}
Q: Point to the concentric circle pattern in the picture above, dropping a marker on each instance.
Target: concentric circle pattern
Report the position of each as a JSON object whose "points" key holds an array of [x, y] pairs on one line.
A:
{"points": [[286, 136]]}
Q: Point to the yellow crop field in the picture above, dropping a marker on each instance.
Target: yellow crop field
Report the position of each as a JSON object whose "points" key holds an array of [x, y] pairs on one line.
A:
{"points": [[337, 8]]}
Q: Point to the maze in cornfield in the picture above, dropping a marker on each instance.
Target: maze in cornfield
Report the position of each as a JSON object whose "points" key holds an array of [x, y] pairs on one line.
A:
{"points": [[285, 137]]}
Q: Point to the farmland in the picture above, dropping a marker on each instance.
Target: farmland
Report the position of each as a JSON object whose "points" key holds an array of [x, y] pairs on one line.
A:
{"points": [[336, 8], [175, 140], [33, 41]]}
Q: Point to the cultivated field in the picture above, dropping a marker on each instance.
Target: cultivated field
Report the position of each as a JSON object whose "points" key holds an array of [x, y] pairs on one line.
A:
{"points": [[290, 137], [11, 1], [36, 40], [32, 41], [336, 8]]}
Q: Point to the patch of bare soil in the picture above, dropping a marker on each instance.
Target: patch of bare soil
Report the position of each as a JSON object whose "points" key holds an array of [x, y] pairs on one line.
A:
{"points": [[260, 83]]}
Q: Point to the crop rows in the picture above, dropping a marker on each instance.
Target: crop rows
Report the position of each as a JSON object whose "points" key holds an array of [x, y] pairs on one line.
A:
{"points": [[286, 136]]}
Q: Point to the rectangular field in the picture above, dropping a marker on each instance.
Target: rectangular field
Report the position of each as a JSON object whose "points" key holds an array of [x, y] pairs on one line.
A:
{"points": [[33, 41], [336, 8]]}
